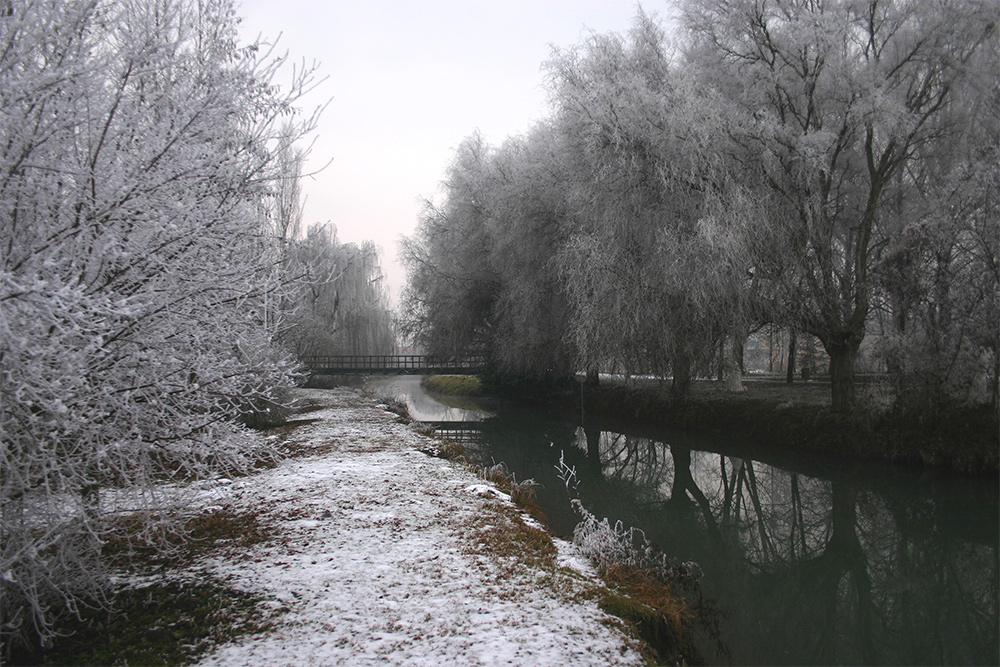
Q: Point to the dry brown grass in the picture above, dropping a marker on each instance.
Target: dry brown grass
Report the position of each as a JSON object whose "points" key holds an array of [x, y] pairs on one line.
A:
{"points": [[446, 449], [521, 493], [142, 543], [643, 589], [500, 532]]}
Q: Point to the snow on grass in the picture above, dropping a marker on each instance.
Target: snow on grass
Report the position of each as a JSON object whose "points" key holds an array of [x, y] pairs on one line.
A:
{"points": [[382, 555]]}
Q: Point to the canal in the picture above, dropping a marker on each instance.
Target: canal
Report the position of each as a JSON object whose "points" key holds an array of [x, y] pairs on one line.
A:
{"points": [[807, 560]]}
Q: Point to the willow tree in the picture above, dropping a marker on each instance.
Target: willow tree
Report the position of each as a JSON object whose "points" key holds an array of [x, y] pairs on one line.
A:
{"points": [[835, 100], [482, 275], [654, 274], [529, 223], [452, 286], [338, 303]]}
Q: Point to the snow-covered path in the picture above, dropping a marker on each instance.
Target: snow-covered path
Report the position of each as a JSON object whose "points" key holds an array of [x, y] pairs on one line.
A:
{"points": [[375, 559]]}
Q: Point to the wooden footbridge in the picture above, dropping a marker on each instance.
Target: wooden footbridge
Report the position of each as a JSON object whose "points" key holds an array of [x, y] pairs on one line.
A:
{"points": [[395, 364], [460, 432]]}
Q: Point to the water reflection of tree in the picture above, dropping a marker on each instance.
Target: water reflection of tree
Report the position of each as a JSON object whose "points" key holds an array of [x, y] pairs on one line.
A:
{"points": [[819, 571], [639, 462]]}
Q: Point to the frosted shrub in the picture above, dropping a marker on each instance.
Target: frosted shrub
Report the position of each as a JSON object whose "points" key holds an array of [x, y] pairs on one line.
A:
{"points": [[137, 276], [878, 398], [609, 547], [615, 546]]}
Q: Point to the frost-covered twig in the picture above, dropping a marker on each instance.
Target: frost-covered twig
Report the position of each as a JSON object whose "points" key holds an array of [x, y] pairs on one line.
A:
{"points": [[609, 546], [567, 474], [616, 546]]}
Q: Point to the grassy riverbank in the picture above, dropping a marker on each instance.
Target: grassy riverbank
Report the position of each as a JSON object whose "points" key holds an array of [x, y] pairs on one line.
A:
{"points": [[453, 385], [796, 416]]}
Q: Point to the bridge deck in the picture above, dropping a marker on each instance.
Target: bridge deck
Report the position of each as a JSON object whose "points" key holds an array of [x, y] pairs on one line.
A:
{"points": [[399, 364], [460, 432]]}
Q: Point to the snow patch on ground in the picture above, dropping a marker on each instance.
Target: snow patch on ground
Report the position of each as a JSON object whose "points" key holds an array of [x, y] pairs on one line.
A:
{"points": [[372, 560], [569, 557], [487, 491]]}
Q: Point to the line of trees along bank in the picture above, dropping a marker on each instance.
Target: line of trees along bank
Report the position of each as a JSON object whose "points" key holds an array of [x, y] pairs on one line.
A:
{"points": [[831, 167], [151, 278]]}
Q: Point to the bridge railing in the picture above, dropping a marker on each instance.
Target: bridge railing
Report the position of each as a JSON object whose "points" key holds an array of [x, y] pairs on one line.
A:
{"points": [[400, 363]]}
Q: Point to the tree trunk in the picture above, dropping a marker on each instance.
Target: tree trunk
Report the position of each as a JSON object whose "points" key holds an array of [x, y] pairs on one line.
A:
{"points": [[770, 350], [594, 447], [734, 376], [792, 340], [593, 378], [842, 355], [996, 382], [681, 386]]}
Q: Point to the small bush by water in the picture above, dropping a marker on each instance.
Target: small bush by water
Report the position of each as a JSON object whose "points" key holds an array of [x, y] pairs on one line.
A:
{"points": [[521, 493], [393, 402], [446, 449], [643, 583]]}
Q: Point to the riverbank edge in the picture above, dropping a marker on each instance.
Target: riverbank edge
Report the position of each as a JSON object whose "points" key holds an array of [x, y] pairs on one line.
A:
{"points": [[453, 385], [650, 611], [517, 551], [967, 442]]}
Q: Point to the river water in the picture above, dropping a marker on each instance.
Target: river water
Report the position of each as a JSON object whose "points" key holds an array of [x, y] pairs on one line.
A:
{"points": [[808, 560]]}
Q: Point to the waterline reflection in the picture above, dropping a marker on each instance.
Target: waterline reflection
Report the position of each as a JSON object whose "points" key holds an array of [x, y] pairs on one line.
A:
{"points": [[813, 562]]}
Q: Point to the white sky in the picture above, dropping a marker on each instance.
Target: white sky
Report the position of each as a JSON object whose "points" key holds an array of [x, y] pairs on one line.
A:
{"points": [[409, 79]]}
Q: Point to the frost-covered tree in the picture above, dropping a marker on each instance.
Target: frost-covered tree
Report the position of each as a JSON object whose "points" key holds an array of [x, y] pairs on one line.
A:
{"points": [[136, 157], [482, 270], [655, 273], [786, 163], [836, 100], [452, 286], [528, 225], [339, 304], [940, 277], [286, 204]]}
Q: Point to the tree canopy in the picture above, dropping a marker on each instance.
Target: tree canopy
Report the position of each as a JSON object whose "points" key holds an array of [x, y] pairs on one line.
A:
{"points": [[823, 166]]}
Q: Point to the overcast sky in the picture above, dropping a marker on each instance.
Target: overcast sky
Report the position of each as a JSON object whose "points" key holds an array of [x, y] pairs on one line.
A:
{"points": [[408, 80]]}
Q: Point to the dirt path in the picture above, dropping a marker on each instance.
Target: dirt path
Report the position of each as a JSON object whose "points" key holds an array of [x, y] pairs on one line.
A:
{"points": [[383, 554]]}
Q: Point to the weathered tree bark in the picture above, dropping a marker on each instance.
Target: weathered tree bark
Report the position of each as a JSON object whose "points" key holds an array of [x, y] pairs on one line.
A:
{"points": [[792, 351], [843, 349], [681, 386], [733, 365]]}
